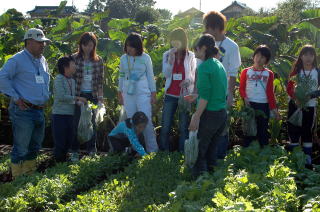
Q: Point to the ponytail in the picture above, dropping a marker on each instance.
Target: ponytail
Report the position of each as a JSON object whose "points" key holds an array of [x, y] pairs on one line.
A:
{"points": [[208, 41]]}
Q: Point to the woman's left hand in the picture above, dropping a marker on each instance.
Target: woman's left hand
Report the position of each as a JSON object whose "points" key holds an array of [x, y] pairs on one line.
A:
{"points": [[153, 98], [194, 124]]}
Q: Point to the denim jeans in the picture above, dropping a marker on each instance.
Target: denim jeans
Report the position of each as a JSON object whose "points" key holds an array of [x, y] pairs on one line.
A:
{"points": [[222, 145], [28, 128], [212, 124], [91, 144], [63, 135], [262, 124], [169, 109]]}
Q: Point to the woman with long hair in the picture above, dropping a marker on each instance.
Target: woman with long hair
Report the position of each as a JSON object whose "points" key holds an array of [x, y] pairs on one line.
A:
{"points": [[89, 83], [179, 67]]}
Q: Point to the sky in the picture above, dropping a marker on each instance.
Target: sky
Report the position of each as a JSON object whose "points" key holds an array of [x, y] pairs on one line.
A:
{"points": [[173, 5]]}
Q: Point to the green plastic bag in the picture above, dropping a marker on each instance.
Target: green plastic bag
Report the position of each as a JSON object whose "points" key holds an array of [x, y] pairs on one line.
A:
{"points": [[191, 149]]}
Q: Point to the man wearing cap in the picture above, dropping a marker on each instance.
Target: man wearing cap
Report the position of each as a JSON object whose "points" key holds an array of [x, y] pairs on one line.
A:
{"points": [[25, 78]]}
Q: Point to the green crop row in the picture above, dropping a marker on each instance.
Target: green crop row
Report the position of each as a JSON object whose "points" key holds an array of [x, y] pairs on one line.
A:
{"points": [[143, 183], [60, 184], [251, 179]]}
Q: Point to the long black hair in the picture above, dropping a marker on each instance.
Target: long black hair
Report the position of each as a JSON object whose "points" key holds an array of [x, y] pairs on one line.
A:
{"points": [[208, 41], [298, 65]]}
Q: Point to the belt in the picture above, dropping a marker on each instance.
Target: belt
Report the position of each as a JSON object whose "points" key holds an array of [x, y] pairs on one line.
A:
{"points": [[32, 106]]}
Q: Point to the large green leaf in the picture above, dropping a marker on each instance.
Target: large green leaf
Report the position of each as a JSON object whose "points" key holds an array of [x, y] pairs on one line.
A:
{"points": [[120, 24], [245, 52], [312, 13]]}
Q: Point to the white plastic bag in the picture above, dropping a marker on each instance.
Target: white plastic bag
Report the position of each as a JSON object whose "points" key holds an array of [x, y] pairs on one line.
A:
{"points": [[296, 118], [101, 111], [123, 115], [85, 127], [191, 149]]}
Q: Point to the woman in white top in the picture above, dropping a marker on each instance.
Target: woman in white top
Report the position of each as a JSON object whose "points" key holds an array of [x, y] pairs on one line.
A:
{"points": [[179, 67], [137, 88]]}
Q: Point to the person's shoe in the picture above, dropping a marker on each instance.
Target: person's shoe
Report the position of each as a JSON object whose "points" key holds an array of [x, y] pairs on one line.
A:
{"points": [[16, 170], [74, 157], [29, 166]]}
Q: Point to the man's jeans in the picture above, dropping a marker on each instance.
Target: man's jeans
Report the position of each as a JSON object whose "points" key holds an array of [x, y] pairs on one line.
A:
{"points": [[169, 109], [28, 128]]}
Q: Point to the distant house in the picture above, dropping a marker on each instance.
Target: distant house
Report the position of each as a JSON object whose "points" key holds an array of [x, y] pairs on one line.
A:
{"points": [[235, 10], [44, 11], [194, 13]]}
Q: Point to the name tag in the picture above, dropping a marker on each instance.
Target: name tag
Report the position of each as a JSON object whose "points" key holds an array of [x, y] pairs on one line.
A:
{"points": [[39, 79], [177, 77], [87, 77]]}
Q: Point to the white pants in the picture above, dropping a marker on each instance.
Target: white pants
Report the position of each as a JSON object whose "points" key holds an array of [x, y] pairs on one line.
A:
{"points": [[142, 102]]}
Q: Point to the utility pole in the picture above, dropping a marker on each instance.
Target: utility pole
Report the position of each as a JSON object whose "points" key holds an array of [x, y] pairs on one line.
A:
{"points": [[200, 5]]}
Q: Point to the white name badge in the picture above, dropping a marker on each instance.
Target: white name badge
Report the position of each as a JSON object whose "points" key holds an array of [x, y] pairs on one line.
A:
{"points": [[177, 77], [39, 79], [87, 77]]}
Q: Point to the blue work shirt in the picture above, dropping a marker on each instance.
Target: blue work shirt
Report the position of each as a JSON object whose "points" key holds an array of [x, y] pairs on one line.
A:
{"points": [[18, 78]]}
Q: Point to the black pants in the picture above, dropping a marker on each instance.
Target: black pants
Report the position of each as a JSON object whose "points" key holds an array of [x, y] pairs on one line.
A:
{"points": [[212, 124], [63, 134], [119, 145], [306, 131], [91, 144], [262, 122]]}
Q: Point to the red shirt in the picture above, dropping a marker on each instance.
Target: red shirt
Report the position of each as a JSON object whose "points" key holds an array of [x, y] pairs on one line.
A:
{"points": [[175, 88]]}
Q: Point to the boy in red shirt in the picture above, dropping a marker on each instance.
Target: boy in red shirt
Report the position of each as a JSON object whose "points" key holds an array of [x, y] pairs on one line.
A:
{"points": [[256, 88]]}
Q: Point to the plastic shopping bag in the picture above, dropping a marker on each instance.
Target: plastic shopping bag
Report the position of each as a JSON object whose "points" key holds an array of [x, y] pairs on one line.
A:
{"points": [[85, 127], [296, 118], [182, 103], [191, 149], [249, 125], [101, 111]]}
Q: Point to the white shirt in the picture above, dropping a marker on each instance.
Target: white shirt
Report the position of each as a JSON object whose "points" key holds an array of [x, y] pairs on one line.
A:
{"points": [[140, 68], [86, 85], [231, 59]]}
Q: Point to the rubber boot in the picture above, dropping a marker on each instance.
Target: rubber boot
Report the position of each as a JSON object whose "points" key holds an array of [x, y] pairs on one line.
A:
{"points": [[16, 170], [29, 166]]}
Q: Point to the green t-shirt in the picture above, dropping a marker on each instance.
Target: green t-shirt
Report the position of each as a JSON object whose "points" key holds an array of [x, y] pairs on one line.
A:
{"points": [[212, 84]]}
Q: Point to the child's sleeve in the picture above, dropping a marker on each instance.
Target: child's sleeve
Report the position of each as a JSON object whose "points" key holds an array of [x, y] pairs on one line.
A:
{"points": [[243, 83], [291, 85], [135, 142], [270, 92]]}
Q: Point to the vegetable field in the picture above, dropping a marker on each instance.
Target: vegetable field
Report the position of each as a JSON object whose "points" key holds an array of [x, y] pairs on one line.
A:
{"points": [[249, 179], [276, 181]]}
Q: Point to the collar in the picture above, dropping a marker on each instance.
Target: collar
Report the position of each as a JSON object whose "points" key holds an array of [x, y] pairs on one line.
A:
{"points": [[31, 55], [258, 69]]}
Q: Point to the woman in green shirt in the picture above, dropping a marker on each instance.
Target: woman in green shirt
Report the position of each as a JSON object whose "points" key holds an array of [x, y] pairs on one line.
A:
{"points": [[211, 116]]}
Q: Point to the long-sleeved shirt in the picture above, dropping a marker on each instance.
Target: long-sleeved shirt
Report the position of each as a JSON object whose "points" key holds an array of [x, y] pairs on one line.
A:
{"points": [[257, 86], [24, 76], [122, 130], [190, 65], [212, 84], [64, 90], [138, 68]]}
